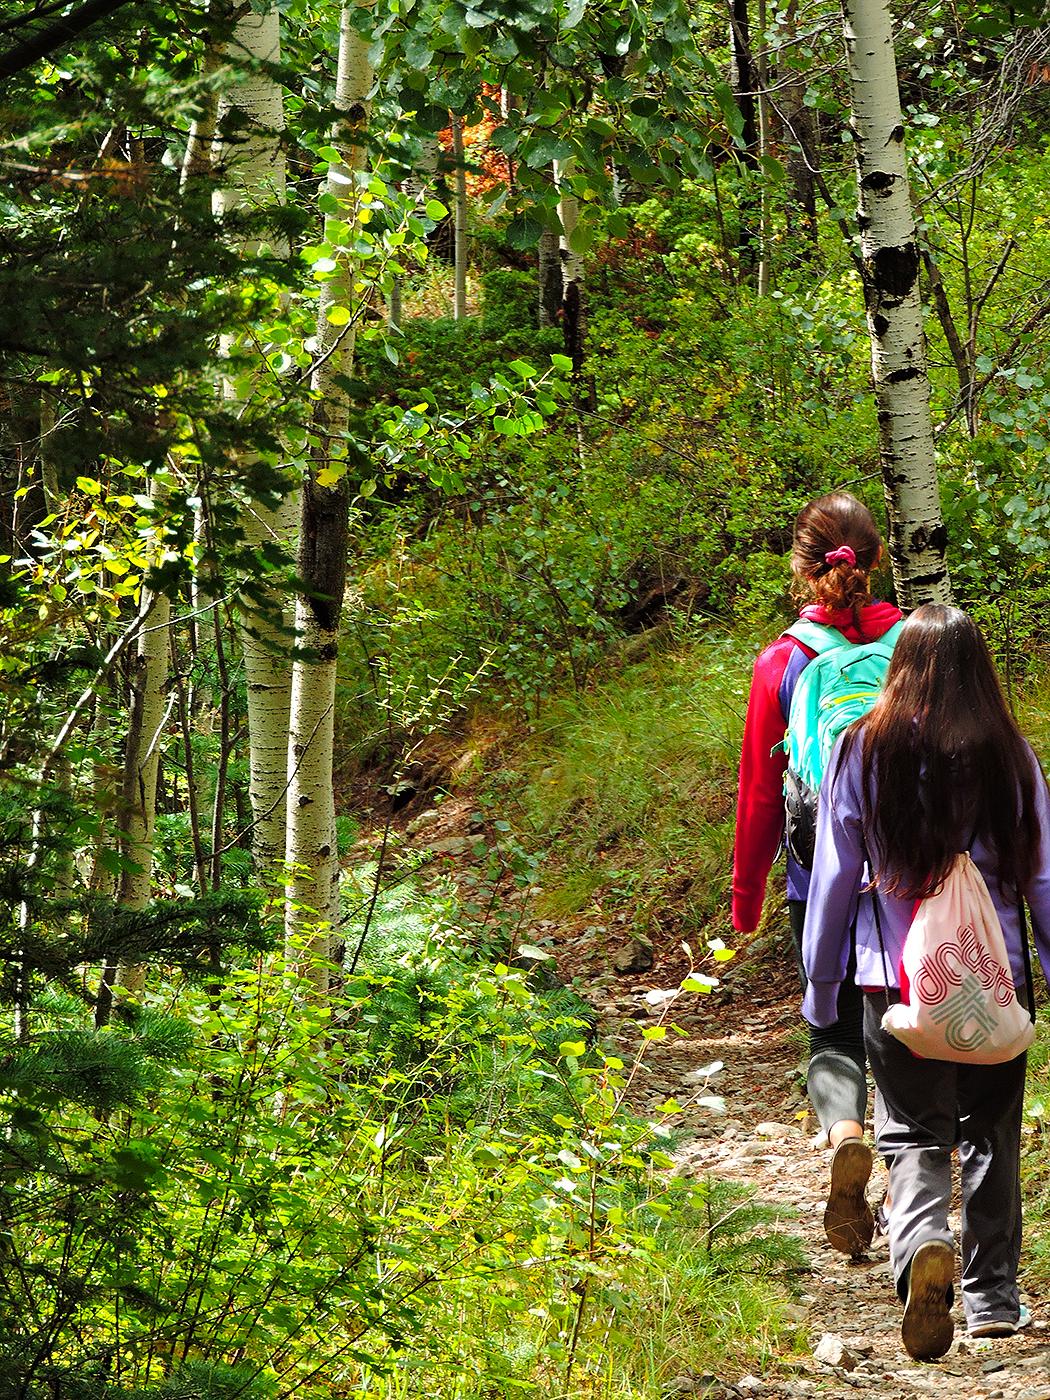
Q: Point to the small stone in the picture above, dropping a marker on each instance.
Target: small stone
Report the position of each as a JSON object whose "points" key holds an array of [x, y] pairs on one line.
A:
{"points": [[861, 1346], [681, 1385], [450, 846], [777, 1131], [636, 956], [424, 819], [750, 1385], [990, 1367], [832, 1350]]}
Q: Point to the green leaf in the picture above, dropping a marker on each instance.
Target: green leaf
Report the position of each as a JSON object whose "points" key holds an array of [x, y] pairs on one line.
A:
{"points": [[697, 982], [338, 315], [523, 368], [524, 231], [435, 210]]}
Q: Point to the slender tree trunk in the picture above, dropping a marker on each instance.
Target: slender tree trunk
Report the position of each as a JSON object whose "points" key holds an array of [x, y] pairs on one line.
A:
{"points": [[148, 715], [762, 74], [311, 851], [802, 148], [549, 288], [745, 85], [890, 256], [573, 305], [252, 165], [461, 244]]}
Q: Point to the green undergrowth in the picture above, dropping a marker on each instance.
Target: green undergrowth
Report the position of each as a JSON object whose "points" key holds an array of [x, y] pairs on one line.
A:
{"points": [[630, 787], [427, 1185]]}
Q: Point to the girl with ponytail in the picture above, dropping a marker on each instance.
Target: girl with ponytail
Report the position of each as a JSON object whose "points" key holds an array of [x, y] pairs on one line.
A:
{"points": [[835, 550]]}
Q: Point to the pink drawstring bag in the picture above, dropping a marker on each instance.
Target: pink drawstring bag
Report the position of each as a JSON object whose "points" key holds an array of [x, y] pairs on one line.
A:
{"points": [[958, 1000]]}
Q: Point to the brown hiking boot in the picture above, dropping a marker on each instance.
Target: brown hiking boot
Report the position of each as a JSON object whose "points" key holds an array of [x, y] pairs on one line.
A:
{"points": [[848, 1221], [927, 1327]]}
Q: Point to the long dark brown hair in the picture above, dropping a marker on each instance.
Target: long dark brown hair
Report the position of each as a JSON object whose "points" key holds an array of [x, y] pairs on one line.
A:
{"points": [[822, 527], [944, 762]]}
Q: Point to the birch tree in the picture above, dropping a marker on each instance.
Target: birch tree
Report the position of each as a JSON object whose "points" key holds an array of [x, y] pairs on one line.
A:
{"points": [[460, 246], [890, 262], [572, 267], [311, 850], [249, 153]]}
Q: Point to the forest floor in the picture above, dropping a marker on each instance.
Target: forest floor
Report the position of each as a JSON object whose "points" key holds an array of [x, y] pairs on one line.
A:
{"points": [[766, 1137]]}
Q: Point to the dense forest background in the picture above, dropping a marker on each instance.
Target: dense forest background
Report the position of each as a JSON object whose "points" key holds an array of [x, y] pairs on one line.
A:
{"points": [[403, 411]]}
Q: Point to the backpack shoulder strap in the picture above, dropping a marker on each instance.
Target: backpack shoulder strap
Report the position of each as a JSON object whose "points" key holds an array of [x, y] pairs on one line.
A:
{"points": [[889, 639], [816, 636]]}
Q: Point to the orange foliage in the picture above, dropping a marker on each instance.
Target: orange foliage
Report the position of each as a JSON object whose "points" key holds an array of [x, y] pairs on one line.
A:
{"points": [[487, 167]]}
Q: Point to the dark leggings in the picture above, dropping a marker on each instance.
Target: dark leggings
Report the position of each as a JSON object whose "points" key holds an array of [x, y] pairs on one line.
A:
{"points": [[836, 1080]]}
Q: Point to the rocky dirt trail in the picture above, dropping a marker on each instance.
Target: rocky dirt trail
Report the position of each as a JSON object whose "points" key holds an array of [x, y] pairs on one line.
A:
{"points": [[766, 1137]]}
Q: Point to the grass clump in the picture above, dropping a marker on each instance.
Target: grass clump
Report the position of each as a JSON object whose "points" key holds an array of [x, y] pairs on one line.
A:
{"points": [[632, 785]]}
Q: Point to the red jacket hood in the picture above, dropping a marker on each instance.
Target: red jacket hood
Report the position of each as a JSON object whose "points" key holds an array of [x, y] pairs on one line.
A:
{"points": [[875, 619]]}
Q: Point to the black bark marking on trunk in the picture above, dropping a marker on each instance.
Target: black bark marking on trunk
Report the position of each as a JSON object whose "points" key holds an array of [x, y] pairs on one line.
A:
{"points": [[901, 376], [879, 324], [878, 182], [322, 550], [937, 576], [573, 325], [894, 270], [863, 222], [924, 538], [897, 134]]}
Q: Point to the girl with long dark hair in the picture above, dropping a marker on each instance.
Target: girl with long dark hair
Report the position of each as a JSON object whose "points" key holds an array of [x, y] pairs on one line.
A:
{"points": [[937, 767], [835, 550]]}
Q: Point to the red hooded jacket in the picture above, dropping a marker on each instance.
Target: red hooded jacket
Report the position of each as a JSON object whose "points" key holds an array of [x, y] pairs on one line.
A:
{"points": [[760, 800]]}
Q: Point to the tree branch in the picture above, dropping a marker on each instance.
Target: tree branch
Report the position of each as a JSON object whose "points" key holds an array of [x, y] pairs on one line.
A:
{"points": [[62, 32]]}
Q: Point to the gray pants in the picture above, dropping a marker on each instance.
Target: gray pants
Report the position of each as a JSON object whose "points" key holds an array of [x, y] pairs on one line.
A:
{"points": [[924, 1109], [836, 1080]]}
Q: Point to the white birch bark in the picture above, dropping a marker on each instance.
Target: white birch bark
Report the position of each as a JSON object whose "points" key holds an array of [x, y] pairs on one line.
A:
{"points": [[461, 253], [253, 168], [890, 256], [312, 908], [549, 278], [572, 270]]}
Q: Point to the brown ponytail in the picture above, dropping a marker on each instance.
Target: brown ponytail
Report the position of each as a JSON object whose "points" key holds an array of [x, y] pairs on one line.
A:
{"points": [[824, 526]]}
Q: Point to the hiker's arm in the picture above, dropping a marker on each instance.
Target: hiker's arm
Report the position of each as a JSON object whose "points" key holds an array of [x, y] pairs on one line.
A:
{"points": [[760, 799], [1038, 891], [832, 905]]}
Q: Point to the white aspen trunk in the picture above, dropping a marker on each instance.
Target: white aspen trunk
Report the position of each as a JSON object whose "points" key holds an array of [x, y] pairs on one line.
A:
{"points": [[461, 249], [572, 272], [253, 167], [890, 256], [549, 279], [312, 908]]}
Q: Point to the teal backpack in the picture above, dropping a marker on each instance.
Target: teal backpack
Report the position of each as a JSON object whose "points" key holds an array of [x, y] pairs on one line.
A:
{"points": [[822, 698]]}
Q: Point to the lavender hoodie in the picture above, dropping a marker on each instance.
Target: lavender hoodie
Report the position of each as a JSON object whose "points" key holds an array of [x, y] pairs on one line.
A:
{"points": [[839, 872]]}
